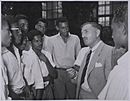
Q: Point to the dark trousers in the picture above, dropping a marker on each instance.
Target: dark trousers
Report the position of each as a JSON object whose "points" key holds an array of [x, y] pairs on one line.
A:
{"points": [[27, 94], [48, 93], [86, 95], [63, 87]]}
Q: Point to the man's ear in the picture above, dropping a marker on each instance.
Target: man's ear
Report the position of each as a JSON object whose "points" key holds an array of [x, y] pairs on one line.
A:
{"points": [[98, 32], [124, 30], [57, 28], [36, 26]]}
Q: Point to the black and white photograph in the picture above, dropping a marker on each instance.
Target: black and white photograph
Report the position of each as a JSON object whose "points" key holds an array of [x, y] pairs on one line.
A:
{"points": [[64, 50]]}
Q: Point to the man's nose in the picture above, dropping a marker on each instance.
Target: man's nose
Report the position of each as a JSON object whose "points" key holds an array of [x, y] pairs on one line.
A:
{"points": [[20, 32], [10, 34], [83, 35]]}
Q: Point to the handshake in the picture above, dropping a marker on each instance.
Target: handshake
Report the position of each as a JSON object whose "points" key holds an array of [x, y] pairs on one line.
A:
{"points": [[72, 71]]}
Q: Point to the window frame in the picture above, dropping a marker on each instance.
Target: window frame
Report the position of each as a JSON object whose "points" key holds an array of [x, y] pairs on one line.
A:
{"points": [[105, 15]]}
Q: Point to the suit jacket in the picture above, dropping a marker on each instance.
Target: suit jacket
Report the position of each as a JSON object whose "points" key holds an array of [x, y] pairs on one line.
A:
{"points": [[98, 69]]}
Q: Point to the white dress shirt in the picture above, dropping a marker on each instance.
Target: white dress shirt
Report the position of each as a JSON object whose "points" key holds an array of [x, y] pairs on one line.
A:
{"points": [[45, 42], [4, 82], [117, 87], [15, 76], [35, 68], [64, 54]]}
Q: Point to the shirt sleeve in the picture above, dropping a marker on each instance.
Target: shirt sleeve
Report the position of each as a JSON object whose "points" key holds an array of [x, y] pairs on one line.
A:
{"points": [[116, 87], [49, 47], [80, 57], [78, 46], [27, 68], [48, 55], [37, 75]]}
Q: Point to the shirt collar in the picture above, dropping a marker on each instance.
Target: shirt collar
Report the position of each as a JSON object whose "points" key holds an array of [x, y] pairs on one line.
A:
{"points": [[4, 50], [96, 46], [58, 35], [123, 59]]}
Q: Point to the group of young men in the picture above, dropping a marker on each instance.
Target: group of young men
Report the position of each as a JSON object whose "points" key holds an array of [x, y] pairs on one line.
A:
{"points": [[35, 66]]}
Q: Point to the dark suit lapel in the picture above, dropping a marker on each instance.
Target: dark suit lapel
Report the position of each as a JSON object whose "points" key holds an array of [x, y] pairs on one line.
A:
{"points": [[95, 57]]}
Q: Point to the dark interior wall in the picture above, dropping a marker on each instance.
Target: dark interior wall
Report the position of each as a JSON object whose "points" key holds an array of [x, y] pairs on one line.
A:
{"points": [[31, 9], [78, 13]]}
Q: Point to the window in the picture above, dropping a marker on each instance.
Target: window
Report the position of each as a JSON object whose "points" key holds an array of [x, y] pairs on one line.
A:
{"points": [[104, 13], [52, 10]]}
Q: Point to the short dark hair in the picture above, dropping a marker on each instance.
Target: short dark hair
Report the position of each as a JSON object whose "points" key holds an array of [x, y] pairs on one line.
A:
{"points": [[21, 16], [60, 20], [11, 19], [42, 20], [4, 21], [121, 15], [33, 33], [94, 24]]}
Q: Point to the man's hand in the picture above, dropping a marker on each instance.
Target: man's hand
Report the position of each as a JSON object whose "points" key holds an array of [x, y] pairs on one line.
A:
{"points": [[71, 72]]}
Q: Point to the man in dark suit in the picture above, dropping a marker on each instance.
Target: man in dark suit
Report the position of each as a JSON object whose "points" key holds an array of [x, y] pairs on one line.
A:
{"points": [[94, 62]]}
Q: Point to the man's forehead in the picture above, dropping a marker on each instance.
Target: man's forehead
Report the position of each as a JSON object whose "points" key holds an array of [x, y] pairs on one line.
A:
{"points": [[37, 37], [23, 21], [86, 26], [63, 23], [14, 25], [41, 23]]}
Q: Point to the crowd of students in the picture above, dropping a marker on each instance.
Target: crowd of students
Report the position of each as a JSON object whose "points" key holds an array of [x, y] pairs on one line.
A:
{"points": [[38, 67]]}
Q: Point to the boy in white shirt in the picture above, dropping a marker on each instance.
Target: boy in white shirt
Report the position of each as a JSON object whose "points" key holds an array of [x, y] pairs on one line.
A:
{"points": [[38, 64]]}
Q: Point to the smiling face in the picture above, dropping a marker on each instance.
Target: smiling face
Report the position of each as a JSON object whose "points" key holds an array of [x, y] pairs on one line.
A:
{"points": [[37, 42], [89, 35], [5, 35]]}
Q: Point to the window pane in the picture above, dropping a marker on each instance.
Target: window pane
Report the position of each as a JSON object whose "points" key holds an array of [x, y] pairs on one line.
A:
{"points": [[49, 5], [44, 14], [107, 21], [101, 20], [59, 4], [107, 2], [101, 10], [52, 9], [49, 14], [43, 6], [59, 12], [55, 13], [101, 2], [54, 5], [107, 9]]}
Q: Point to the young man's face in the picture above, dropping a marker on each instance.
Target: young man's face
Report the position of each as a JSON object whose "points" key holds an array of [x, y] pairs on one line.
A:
{"points": [[63, 28], [37, 42], [89, 35], [23, 25], [17, 34], [41, 26], [5, 35]]}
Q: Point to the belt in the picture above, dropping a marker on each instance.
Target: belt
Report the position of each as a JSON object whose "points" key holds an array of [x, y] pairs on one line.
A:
{"points": [[62, 68]]}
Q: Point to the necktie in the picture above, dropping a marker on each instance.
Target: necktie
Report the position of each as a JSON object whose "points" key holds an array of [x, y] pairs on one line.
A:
{"points": [[85, 68]]}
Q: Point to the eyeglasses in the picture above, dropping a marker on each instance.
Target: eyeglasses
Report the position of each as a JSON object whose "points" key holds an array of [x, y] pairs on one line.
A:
{"points": [[14, 29]]}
